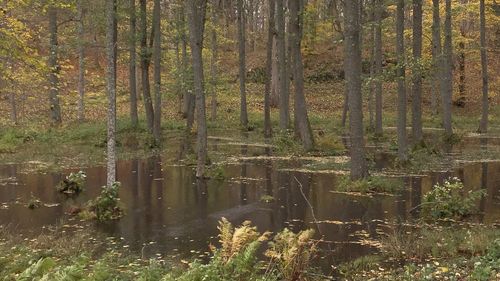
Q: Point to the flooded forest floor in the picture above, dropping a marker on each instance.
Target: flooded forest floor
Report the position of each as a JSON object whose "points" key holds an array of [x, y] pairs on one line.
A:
{"points": [[378, 229]]}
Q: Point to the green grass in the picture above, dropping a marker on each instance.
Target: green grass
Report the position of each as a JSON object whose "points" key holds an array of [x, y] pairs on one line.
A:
{"points": [[373, 184]]}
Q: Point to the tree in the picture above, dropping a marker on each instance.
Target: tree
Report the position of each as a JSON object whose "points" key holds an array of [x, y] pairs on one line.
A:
{"points": [[378, 68], [269, 65], [197, 12], [483, 128], [242, 69], [437, 56], [213, 62], [352, 50], [417, 73], [145, 61], [111, 90], [400, 75], [81, 63], [281, 51], [447, 72], [301, 120], [132, 65], [157, 71], [55, 108]]}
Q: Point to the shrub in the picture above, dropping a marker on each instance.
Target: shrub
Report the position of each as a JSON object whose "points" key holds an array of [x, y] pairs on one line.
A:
{"points": [[106, 206], [73, 183], [447, 201], [374, 184]]}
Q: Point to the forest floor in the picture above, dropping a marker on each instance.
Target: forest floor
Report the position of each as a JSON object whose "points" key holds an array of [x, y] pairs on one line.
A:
{"points": [[444, 250]]}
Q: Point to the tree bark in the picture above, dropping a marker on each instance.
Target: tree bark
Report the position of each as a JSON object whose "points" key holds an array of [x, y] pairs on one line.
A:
{"points": [[484, 69], [352, 66], [302, 125], [134, 118], [378, 68], [196, 28], [275, 77], [81, 63], [417, 73], [55, 108], [281, 51], [448, 72], [400, 51], [242, 69], [213, 63], [269, 71], [111, 90], [145, 61], [436, 57], [157, 71]]}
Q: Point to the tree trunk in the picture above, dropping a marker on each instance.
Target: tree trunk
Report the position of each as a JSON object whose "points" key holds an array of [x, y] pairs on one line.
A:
{"points": [[281, 51], [448, 72], [436, 57], [157, 71], [242, 74], [134, 118], [55, 109], [269, 71], [352, 66], [378, 68], [145, 61], [111, 91], [484, 70], [213, 63], [81, 63], [302, 125], [417, 73], [461, 56], [196, 28], [400, 52], [275, 77]]}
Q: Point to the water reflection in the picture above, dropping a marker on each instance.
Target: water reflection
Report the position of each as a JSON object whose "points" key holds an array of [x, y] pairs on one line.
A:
{"points": [[169, 211]]}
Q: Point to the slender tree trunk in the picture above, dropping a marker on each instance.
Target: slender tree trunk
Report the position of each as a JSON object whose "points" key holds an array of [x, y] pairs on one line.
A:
{"points": [[302, 125], [448, 72], [55, 109], [484, 70], [275, 77], [281, 51], [461, 56], [111, 89], [81, 63], [400, 52], [242, 55], [378, 68], [269, 65], [417, 73], [157, 71], [436, 56], [213, 63], [352, 66], [196, 28], [145, 61], [134, 118], [371, 84]]}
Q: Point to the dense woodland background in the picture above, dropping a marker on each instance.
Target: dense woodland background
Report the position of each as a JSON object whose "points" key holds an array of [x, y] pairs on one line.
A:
{"points": [[55, 63]]}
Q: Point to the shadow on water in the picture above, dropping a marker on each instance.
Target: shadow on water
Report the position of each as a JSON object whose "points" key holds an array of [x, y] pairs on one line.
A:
{"points": [[169, 211]]}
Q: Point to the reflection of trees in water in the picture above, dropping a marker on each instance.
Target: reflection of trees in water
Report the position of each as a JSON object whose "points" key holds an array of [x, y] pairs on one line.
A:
{"points": [[201, 198], [416, 196]]}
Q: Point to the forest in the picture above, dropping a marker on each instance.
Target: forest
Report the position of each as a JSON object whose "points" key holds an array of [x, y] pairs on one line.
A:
{"points": [[207, 140]]}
